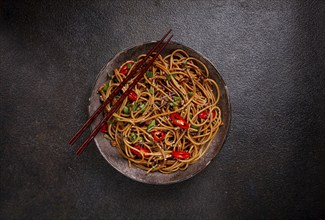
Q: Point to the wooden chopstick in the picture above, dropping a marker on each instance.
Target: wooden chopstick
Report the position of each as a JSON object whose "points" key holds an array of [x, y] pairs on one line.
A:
{"points": [[119, 102], [116, 90]]}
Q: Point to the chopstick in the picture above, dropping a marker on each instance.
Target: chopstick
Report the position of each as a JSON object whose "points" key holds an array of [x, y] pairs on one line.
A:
{"points": [[119, 102], [116, 90]]}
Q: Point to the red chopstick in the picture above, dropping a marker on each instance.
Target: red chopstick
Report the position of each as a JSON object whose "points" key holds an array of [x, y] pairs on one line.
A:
{"points": [[116, 90], [119, 102], [125, 94]]}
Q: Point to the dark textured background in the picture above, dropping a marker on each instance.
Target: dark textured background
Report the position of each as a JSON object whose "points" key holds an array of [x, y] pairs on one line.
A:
{"points": [[271, 56]]}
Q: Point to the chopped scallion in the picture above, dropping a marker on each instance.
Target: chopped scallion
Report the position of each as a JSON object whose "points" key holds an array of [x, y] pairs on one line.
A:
{"points": [[115, 80], [172, 104], [151, 125], [168, 78], [149, 74], [140, 139], [106, 136], [177, 98], [151, 90], [195, 127], [141, 106], [143, 109], [105, 87], [126, 110], [134, 107], [133, 137]]}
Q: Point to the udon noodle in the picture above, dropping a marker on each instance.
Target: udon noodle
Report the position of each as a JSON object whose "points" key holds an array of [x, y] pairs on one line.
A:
{"points": [[171, 117]]}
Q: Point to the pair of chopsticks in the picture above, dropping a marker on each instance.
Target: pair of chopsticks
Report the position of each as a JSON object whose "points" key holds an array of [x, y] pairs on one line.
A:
{"points": [[114, 93]]}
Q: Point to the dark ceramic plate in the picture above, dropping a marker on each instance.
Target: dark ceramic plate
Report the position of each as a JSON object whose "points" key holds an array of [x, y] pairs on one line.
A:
{"points": [[112, 155]]}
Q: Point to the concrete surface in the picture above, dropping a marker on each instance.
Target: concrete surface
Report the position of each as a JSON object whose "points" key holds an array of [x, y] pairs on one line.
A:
{"points": [[271, 56]]}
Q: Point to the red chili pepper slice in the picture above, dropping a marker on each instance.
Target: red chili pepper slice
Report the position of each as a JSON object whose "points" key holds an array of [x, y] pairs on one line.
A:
{"points": [[206, 113], [142, 149], [181, 155], [124, 69], [158, 135], [133, 96], [179, 120], [104, 129]]}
